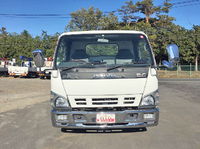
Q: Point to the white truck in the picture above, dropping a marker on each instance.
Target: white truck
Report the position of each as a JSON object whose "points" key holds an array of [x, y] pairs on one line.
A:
{"points": [[43, 71], [27, 68], [104, 80]]}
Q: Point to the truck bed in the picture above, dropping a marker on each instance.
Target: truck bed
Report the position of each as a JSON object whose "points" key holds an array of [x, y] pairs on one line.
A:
{"points": [[21, 71]]}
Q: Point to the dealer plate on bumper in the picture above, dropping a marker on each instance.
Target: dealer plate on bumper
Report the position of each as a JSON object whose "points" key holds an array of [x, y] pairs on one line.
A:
{"points": [[105, 118]]}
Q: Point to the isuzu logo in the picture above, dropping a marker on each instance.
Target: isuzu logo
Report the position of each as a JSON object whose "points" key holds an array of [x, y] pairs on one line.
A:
{"points": [[104, 76]]}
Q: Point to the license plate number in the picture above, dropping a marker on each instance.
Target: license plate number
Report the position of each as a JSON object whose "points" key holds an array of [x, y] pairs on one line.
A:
{"points": [[105, 118]]}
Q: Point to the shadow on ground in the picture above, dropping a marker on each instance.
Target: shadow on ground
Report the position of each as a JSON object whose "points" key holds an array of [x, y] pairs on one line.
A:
{"points": [[64, 130]]}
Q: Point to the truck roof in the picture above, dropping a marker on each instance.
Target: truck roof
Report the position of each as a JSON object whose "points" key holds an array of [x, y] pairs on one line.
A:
{"points": [[103, 32]]}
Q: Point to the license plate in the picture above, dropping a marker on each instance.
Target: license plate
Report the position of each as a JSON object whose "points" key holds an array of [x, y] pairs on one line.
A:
{"points": [[105, 118]]}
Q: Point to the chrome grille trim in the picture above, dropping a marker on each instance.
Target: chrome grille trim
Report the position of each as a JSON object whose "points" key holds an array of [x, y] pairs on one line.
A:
{"points": [[104, 101]]}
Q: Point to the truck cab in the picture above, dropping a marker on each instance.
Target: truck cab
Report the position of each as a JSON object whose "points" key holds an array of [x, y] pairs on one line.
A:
{"points": [[103, 80]]}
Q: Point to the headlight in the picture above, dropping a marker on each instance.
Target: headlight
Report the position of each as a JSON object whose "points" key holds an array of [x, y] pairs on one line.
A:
{"points": [[58, 101], [151, 99], [147, 101], [61, 102]]}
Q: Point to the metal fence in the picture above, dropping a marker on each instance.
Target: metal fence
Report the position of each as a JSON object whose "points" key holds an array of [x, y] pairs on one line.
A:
{"points": [[181, 71]]}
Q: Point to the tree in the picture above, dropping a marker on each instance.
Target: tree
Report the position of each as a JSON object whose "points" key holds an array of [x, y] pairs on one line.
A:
{"points": [[3, 32], [197, 44], [26, 41], [166, 7], [162, 15], [109, 22], [2, 41], [13, 45], [164, 30], [47, 44], [91, 19], [85, 19], [5, 43], [128, 12], [147, 8]]}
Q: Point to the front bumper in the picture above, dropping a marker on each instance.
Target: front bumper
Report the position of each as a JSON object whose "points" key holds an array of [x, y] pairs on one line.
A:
{"points": [[123, 119]]}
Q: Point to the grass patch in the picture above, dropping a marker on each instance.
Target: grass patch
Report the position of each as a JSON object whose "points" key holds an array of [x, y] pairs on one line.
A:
{"points": [[179, 74]]}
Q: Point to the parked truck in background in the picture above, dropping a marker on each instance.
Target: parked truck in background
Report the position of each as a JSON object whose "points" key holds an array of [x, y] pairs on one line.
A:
{"points": [[3, 66], [104, 80], [27, 68], [43, 73]]}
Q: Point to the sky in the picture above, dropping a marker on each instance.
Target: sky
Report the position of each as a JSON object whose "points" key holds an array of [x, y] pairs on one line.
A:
{"points": [[186, 13]]}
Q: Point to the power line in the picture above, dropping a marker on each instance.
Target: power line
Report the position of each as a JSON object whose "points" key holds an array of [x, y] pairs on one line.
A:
{"points": [[32, 16], [35, 15], [186, 5], [184, 2], [29, 15]]}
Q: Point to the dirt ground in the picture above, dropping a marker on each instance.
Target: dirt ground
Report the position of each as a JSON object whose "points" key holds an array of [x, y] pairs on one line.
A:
{"points": [[27, 124], [17, 93]]}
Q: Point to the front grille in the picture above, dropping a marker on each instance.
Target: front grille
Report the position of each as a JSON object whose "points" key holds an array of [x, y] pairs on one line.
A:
{"points": [[129, 100], [80, 101], [92, 102], [104, 101]]}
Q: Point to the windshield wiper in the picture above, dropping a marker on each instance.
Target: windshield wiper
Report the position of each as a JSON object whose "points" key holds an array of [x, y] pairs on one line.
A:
{"points": [[84, 64], [128, 64], [111, 68], [69, 68]]}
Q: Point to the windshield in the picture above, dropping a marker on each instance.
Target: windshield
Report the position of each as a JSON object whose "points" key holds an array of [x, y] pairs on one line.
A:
{"points": [[103, 50]]}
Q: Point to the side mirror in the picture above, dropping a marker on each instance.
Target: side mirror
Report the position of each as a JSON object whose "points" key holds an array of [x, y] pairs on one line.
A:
{"points": [[173, 56], [38, 57]]}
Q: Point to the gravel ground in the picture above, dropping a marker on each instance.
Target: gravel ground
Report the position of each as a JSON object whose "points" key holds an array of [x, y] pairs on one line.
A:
{"points": [[17, 93]]}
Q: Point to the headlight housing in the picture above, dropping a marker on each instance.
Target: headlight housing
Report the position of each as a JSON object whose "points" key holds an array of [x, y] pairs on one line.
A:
{"points": [[150, 99], [61, 102], [58, 101], [147, 101]]}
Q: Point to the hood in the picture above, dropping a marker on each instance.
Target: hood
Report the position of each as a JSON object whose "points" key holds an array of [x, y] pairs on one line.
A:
{"points": [[104, 87]]}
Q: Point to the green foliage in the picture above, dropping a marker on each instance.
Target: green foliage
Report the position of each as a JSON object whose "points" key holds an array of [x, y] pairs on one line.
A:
{"points": [[99, 49], [91, 19], [147, 8], [14, 45], [128, 12]]}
